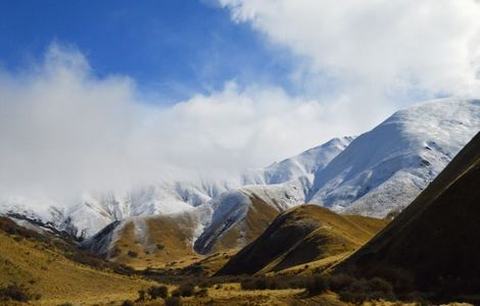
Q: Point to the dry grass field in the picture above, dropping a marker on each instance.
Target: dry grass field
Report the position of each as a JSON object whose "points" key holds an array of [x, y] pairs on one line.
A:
{"points": [[45, 271]]}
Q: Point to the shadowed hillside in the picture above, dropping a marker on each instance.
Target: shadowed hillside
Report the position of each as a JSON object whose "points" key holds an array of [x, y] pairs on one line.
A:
{"points": [[300, 235], [433, 245]]}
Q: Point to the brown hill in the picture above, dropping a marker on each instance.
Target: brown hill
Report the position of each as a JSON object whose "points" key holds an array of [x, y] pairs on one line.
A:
{"points": [[168, 241], [223, 235], [300, 235], [153, 241], [433, 245], [49, 269]]}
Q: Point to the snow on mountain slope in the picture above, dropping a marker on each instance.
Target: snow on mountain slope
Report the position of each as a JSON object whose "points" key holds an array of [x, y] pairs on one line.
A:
{"points": [[380, 171], [92, 211], [222, 214], [175, 197], [156, 240], [386, 168], [285, 184], [306, 163]]}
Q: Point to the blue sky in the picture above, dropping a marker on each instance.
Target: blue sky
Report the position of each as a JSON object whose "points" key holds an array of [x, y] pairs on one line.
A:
{"points": [[173, 48]]}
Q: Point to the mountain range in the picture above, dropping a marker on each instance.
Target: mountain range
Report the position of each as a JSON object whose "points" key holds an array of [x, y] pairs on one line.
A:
{"points": [[376, 174], [295, 228]]}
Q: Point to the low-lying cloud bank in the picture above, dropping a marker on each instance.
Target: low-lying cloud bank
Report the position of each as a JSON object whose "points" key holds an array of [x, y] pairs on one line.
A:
{"points": [[64, 131]]}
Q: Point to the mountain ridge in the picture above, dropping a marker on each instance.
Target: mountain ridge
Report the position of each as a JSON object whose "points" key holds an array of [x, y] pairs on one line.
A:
{"points": [[373, 174]]}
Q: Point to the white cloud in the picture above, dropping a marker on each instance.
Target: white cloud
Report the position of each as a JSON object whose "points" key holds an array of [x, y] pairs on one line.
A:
{"points": [[384, 48], [65, 131]]}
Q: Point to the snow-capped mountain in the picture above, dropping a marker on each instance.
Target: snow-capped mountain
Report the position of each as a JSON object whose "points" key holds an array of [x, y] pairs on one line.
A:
{"points": [[94, 210], [305, 164], [378, 172], [387, 167]]}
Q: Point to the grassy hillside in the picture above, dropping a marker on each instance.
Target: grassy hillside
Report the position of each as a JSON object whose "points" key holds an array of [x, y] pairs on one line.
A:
{"points": [[433, 245], [44, 267], [167, 241], [301, 235], [154, 241], [257, 219]]}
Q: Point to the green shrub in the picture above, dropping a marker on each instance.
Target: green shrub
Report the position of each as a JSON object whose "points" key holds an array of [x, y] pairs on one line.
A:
{"points": [[186, 290], [204, 284], [132, 254], [361, 290], [257, 283], [316, 284], [339, 282], [128, 303], [173, 301], [380, 286], [351, 297], [158, 292], [417, 297], [202, 293], [115, 252], [196, 269], [402, 280], [141, 295], [16, 292]]}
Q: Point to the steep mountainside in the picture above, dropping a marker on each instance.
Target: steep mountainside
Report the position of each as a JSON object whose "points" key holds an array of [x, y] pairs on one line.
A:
{"points": [[386, 168], [236, 225], [238, 218], [300, 235], [148, 241], [432, 245]]}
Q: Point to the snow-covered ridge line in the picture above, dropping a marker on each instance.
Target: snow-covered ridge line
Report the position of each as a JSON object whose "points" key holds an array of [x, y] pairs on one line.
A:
{"points": [[379, 171], [93, 211], [387, 167]]}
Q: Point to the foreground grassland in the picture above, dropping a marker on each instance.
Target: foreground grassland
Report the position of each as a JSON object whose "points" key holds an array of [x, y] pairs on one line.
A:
{"points": [[51, 277], [48, 275]]}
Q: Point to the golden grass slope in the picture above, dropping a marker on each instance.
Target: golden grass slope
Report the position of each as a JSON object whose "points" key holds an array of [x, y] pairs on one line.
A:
{"points": [[300, 235], [46, 271], [154, 241], [259, 216], [166, 241]]}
